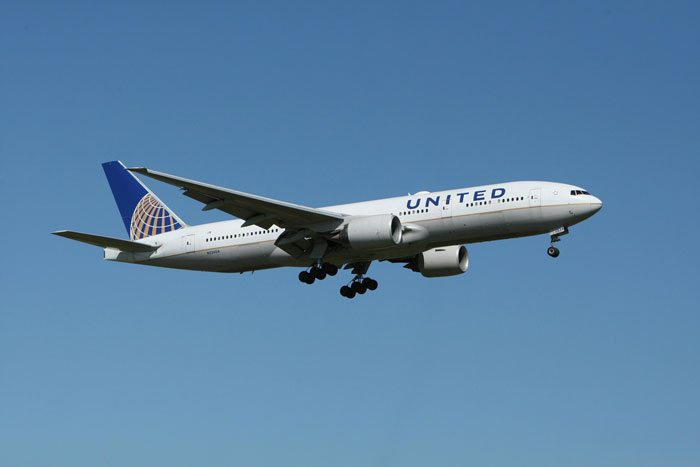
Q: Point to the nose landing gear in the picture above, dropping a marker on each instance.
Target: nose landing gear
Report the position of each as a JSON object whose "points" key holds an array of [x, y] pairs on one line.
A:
{"points": [[554, 236]]}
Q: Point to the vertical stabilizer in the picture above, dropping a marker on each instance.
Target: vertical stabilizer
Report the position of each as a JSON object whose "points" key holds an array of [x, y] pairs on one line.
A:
{"points": [[141, 210]]}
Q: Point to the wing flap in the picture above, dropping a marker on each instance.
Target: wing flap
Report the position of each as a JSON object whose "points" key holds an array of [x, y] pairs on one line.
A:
{"points": [[258, 210], [106, 242]]}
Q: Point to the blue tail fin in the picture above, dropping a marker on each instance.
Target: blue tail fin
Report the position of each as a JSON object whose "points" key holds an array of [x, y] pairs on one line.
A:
{"points": [[141, 210]]}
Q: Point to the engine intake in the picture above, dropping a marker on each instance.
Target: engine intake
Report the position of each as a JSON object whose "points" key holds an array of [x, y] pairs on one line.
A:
{"points": [[370, 232], [444, 261]]}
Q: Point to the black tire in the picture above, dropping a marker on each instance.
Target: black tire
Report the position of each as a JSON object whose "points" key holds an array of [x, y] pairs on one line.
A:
{"points": [[358, 288], [317, 273], [553, 251], [306, 278], [345, 291], [371, 284], [330, 269]]}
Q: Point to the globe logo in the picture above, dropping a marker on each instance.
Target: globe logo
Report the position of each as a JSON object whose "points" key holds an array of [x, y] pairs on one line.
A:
{"points": [[150, 218]]}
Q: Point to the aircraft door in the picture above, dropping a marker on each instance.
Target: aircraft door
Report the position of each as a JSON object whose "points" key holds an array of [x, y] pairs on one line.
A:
{"points": [[188, 243], [535, 197], [446, 211]]}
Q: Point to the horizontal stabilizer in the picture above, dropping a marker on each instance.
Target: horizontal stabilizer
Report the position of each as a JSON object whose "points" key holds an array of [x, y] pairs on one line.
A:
{"points": [[106, 242]]}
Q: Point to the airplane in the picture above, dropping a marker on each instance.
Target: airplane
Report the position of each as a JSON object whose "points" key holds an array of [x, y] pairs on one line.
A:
{"points": [[425, 231]]}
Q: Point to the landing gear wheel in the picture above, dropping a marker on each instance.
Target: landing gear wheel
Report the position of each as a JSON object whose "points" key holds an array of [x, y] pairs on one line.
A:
{"points": [[370, 284], [330, 269], [553, 251], [306, 278], [317, 273], [346, 291], [357, 287]]}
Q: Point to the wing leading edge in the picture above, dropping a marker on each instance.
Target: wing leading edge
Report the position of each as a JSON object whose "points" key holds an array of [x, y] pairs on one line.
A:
{"points": [[255, 210]]}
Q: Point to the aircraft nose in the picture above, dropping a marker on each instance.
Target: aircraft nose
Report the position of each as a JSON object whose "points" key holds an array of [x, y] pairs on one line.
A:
{"points": [[596, 205]]}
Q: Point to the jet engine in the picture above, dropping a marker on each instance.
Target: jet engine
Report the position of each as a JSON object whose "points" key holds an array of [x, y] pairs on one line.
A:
{"points": [[443, 261], [369, 232]]}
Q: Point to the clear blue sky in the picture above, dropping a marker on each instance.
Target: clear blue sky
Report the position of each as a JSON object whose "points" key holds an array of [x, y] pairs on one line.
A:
{"points": [[590, 359]]}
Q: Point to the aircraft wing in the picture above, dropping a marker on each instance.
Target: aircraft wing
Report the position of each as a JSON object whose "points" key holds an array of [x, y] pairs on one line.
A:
{"points": [[106, 242], [255, 210]]}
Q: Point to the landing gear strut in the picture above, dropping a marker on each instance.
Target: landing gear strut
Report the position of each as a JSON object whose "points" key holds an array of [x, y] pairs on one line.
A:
{"points": [[554, 237]]}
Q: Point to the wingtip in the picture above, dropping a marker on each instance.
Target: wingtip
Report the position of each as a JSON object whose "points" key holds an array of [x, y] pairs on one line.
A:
{"points": [[62, 233]]}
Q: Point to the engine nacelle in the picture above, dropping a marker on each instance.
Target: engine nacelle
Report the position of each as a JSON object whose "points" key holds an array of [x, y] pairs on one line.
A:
{"points": [[444, 261], [370, 232]]}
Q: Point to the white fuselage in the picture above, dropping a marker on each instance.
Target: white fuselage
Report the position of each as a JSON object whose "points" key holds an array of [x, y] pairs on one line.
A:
{"points": [[429, 219]]}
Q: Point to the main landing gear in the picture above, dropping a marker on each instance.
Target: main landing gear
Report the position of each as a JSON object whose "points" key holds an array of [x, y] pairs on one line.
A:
{"points": [[358, 285], [318, 272], [554, 236]]}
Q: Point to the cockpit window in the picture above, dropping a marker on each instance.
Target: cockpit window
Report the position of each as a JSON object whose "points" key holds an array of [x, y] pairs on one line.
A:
{"points": [[579, 192]]}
